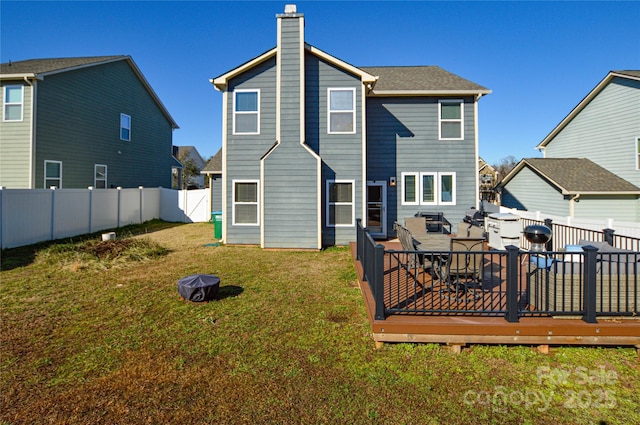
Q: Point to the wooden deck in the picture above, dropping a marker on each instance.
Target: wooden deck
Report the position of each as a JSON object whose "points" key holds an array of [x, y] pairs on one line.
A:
{"points": [[421, 322]]}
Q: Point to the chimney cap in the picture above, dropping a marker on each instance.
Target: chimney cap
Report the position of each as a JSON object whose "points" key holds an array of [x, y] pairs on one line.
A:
{"points": [[290, 8]]}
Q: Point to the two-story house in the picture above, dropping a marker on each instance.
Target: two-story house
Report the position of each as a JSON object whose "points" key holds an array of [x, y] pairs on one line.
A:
{"points": [[310, 143], [591, 164], [80, 122]]}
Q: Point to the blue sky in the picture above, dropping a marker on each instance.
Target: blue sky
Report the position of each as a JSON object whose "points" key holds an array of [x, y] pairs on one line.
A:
{"points": [[539, 58]]}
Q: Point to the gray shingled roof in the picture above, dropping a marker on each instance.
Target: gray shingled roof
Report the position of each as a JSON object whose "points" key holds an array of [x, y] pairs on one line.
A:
{"points": [[40, 66], [579, 175], [214, 166], [419, 78], [629, 72]]}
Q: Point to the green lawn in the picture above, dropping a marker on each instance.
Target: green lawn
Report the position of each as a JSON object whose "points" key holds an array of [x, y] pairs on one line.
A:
{"points": [[88, 340]]}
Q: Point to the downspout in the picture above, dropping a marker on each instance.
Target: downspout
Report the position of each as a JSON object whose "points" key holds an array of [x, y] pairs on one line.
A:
{"points": [[32, 132], [572, 204], [477, 168]]}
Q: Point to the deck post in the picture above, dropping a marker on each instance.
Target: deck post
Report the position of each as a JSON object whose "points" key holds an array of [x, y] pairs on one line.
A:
{"points": [[608, 236], [589, 292], [359, 240], [512, 284], [549, 245], [378, 281]]}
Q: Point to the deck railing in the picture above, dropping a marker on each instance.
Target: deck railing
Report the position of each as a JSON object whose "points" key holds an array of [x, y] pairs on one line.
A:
{"points": [[514, 283]]}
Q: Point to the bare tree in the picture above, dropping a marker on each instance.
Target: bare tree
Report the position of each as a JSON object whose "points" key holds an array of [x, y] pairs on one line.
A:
{"points": [[189, 171], [505, 165]]}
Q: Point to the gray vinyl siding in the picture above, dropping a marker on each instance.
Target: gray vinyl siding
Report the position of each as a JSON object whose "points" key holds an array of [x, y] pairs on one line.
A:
{"points": [[78, 123], [621, 208], [15, 143], [341, 154], [402, 136], [243, 152], [528, 191], [216, 192], [605, 131]]}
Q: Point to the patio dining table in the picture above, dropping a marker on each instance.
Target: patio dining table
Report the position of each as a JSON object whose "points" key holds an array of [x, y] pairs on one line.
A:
{"points": [[433, 242]]}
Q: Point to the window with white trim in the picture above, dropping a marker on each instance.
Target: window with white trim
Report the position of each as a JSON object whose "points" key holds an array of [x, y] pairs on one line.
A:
{"points": [[341, 110], [52, 174], [246, 211], [340, 203], [13, 101], [100, 176], [450, 119], [125, 127], [246, 112], [429, 188]]}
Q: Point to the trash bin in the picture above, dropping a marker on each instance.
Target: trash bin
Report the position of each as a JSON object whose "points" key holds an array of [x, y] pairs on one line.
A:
{"points": [[216, 218]]}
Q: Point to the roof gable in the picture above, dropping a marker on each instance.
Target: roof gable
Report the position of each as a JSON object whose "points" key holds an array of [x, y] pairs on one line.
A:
{"points": [[628, 74], [575, 176], [38, 69]]}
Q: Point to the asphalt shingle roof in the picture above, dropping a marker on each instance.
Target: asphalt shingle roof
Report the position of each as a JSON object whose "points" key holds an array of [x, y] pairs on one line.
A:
{"points": [[630, 73], [214, 166], [580, 175], [419, 78], [40, 66]]}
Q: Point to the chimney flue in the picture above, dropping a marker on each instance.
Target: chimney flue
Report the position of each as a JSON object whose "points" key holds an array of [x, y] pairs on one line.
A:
{"points": [[290, 8]]}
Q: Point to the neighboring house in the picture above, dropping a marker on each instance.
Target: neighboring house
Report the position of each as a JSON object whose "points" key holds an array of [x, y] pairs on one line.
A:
{"points": [[488, 177], [603, 130], [311, 143], [213, 171], [191, 154], [80, 122]]}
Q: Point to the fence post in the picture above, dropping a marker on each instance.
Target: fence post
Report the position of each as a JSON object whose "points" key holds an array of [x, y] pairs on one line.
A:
{"points": [[53, 213], [513, 266], [549, 245], [589, 292], [119, 189], [90, 188], [608, 236], [141, 189], [378, 281]]}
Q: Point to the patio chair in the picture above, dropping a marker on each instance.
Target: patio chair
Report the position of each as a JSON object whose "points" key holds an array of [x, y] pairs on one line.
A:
{"points": [[463, 270], [468, 230], [414, 260], [417, 226]]}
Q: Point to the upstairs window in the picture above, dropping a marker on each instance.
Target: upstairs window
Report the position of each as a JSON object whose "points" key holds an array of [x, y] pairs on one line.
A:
{"points": [[340, 203], [246, 112], [52, 174], [450, 118], [13, 100], [125, 127], [245, 202], [342, 111], [100, 176]]}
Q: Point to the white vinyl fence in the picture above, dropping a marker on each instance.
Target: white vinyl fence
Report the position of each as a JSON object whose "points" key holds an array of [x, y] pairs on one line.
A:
{"points": [[631, 229], [35, 215]]}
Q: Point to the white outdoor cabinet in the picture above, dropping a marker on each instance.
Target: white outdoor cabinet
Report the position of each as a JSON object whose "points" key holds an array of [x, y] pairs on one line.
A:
{"points": [[503, 229]]}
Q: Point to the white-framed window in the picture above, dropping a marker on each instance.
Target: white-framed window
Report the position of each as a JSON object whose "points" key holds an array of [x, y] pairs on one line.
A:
{"points": [[13, 101], [246, 209], [100, 176], [429, 188], [450, 119], [246, 112], [410, 186], [52, 174], [341, 104], [125, 127], [341, 203]]}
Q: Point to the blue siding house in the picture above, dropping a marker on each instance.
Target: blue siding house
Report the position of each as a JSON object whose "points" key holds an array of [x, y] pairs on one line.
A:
{"points": [[311, 143], [591, 164]]}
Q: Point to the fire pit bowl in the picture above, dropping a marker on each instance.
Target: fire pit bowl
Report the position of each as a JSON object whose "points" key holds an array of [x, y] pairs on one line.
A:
{"points": [[199, 287]]}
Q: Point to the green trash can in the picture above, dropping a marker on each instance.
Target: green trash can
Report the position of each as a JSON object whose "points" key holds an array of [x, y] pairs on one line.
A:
{"points": [[216, 217]]}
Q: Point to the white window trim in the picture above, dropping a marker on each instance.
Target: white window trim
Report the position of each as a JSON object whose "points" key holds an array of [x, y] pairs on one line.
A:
{"points": [[5, 103], [329, 111], [441, 120], [417, 188], [352, 203], [436, 192], [453, 187], [420, 189], [637, 146], [128, 128], [46, 161], [257, 113], [95, 175], [234, 203]]}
